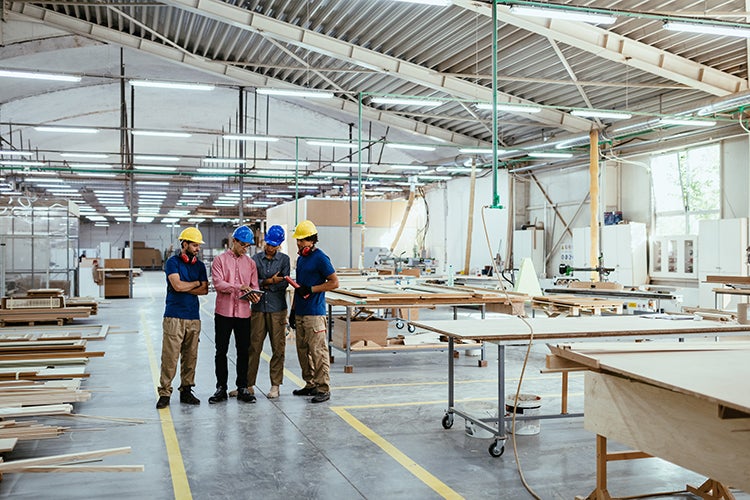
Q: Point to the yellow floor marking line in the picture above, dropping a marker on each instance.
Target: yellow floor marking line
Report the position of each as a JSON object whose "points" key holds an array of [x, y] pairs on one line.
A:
{"points": [[176, 466], [419, 472]]}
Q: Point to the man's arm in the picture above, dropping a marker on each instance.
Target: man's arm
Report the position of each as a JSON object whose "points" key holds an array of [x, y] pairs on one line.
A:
{"points": [[201, 289], [331, 283], [186, 286]]}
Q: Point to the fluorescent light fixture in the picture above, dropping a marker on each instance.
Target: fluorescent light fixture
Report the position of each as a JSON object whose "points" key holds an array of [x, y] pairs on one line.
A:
{"points": [[157, 133], [476, 151], [13, 152], [70, 130], [343, 164], [388, 189], [84, 155], [279, 196], [43, 179], [122, 219], [314, 181], [564, 14], [384, 176], [543, 154], [224, 160], [409, 184], [511, 108], [316, 94], [118, 209], [196, 220], [155, 168], [289, 163], [331, 174], [309, 188], [593, 113], [406, 102], [412, 147], [707, 28], [96, 174], [439, 3], [144, 220], [95, 218], [33, 75], [684, 122], [209, 178], [147, 202], [193, 193], [273, 173], [169, 220], [189, 203], [171, 85], [456, 170], [22, 163], [152, 183], [253, 138], [435, 177], [408, 167], [215, 170], [156, 158], [333, 144]]}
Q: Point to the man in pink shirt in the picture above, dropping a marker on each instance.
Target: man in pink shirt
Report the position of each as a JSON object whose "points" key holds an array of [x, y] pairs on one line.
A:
{"points": [[234, 275]]}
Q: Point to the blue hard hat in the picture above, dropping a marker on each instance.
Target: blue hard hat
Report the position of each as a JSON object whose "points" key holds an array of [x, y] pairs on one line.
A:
{"points": [[275, 235], [244, 234]]}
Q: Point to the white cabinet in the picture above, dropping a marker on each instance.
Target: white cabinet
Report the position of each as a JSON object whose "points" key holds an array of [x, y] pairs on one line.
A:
{"points": [[674, 257], [529, 243], [722, 251], [623, 247]]}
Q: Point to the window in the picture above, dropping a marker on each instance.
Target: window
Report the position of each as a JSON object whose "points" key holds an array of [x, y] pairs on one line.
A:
{"points": [[686, 187]]}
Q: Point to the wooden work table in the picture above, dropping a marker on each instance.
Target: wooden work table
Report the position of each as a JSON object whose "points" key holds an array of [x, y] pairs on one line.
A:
{"points": [[356, 296], [518, 331], [688, 403]]}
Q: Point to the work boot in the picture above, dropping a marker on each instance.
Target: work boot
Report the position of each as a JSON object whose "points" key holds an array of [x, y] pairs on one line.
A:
{"points": [[219, 396], [163, 402], [244, 395], [274, 392], [187, 397], [305, 391], [320, 397]]}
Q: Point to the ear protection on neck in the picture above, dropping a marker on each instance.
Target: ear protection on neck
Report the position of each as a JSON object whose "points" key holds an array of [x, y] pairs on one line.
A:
{"points": [[306, 251], [188, 259]]}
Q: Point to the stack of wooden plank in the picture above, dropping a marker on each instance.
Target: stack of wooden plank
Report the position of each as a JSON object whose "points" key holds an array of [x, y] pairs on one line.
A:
{"points": [[573, 305], [41, 375], [42, 305]]}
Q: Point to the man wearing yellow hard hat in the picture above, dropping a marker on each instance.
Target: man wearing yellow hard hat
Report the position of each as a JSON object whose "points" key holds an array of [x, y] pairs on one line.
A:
{"points": [[181, 325], [315, 276]]}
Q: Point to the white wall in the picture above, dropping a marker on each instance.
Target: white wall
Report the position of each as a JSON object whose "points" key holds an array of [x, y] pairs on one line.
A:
{"points": [[449, 215]]}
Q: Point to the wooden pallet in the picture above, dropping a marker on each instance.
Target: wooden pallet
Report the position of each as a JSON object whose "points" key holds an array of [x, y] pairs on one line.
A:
{"points": [[33, 317], [567, 305]]}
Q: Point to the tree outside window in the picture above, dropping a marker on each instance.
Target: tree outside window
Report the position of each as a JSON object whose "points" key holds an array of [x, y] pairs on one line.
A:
{"points": [[686, 189]]}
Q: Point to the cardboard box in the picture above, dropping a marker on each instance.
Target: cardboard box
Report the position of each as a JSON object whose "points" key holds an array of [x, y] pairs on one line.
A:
{"points": [[116, 287], [148, 258], [372, 330]]}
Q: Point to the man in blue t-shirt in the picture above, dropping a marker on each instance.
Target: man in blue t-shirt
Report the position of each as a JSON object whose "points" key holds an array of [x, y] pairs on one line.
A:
{"points": [[315, 276], [181, 325]]}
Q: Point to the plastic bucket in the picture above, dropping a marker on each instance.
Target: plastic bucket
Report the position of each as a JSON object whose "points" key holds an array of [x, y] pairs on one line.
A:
{"points": [[528, 405]]}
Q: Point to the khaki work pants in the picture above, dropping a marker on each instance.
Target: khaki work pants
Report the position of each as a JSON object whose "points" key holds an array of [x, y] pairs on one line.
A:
{"points": [[273, 324], [179, 343], [312, 351]]}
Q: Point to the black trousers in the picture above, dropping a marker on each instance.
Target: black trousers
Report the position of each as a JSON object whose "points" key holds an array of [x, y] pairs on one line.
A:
{"points": [[223, 327]]}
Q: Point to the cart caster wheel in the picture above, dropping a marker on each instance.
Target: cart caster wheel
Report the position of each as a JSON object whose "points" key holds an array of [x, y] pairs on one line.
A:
{"points": [[447, 421], [496, 450], [411, 328], [399, 325]]}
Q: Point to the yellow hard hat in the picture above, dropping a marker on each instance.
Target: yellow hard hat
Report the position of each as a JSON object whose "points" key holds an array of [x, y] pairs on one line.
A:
{"points": [[304, 229], [191, 234]]}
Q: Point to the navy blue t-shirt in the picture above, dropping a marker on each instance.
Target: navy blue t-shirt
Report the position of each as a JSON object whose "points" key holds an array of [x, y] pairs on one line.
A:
{"points": [[312, 270], [183, 305]]}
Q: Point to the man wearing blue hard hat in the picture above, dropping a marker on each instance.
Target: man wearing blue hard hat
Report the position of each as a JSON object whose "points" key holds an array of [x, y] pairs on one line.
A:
{"points": [[235, 279], [269, 313]]}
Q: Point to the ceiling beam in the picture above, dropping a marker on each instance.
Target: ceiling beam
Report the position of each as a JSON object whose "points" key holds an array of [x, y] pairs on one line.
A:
{"points": [[613, 47], [310, 40], [29, 12]]}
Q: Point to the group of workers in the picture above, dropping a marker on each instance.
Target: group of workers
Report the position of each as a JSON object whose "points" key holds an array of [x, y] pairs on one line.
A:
{"points": [[251, 304]]}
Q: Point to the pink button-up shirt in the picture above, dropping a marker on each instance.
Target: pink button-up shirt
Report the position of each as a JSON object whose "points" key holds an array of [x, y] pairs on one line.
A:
{"points": [[229, 273]]}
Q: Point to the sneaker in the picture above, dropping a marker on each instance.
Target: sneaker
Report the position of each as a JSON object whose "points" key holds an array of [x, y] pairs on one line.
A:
{"points": [[187, 397], [274, 392], [163, 402], [305, 391], [320, 397], [219, 396], [244, 395]]}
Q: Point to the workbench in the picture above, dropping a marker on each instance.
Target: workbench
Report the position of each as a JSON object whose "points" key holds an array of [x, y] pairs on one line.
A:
{"points": [[686, 403], [631, 294], [518, 331], [373, 295]]}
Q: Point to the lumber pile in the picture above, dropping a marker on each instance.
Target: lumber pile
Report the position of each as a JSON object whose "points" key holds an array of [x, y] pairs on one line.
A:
{"points": [[44, 305], [573, 305], [41, 376]]}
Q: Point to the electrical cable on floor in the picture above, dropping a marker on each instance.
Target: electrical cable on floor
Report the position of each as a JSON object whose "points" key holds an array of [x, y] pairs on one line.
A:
{"points": [[523, 367]]}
